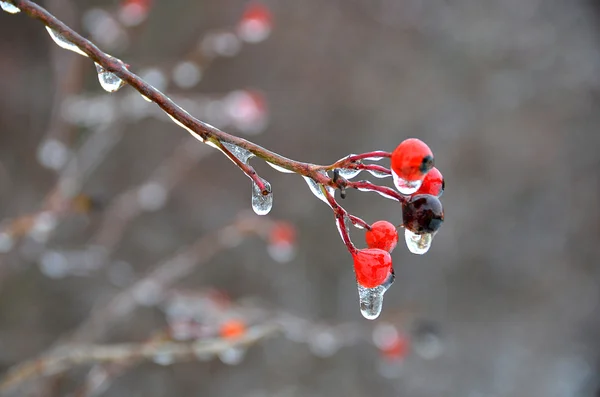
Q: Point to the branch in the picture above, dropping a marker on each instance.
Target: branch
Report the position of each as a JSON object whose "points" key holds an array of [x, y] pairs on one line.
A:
{"points": [[89, 354]]}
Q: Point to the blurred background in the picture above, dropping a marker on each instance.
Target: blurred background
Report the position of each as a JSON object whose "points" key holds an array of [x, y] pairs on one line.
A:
{"points": [[98, 190]]}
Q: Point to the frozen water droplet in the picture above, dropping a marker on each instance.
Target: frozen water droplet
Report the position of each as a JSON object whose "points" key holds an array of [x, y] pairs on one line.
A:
{"points": [[163, 358], [371, 301], [378, 174], [262, 203], [109, 81], [417, 243], [323, 342], [60, 40], [146, 98], [54, 265], [280, 169], [315, 188], [240, 153], [43, 225], [404, 186], [232, 356], [53, 154], [9, 7], [186, 74], [6, 242], [152, 196], [348, 173]]}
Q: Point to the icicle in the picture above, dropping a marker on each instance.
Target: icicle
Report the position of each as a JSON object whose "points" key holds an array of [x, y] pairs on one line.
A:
{"points": [[9, 7], [417, 243], [240, 153], [315, 188], [371, 299], [64, 43], [378, 174], [347, 224], [406, 187], [280, 169], [109, 81], [262, 203]]}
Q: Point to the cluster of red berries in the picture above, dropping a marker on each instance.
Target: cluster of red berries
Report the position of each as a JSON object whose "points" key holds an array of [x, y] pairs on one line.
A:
{"points": [[414, 176]]}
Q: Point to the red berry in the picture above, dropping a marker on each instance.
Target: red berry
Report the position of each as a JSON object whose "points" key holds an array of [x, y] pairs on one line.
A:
{"points": [[433, 183], [383, 235], [372, 266], [412, 159]]}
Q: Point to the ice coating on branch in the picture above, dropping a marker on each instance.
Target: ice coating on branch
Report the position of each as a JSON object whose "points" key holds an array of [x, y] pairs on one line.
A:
{"points": [[382, 194], [371, 301], [406, 187], [348, 173], [315, 188], [262, 203], [240, 153], [417, 243], [110, 82], [378, 174], [280, 169], [194, 134], [9, 7], [64, 43], [347, 224]]}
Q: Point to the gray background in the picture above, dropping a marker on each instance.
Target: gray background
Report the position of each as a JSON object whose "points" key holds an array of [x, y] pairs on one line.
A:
{"points": [[506, 95]]}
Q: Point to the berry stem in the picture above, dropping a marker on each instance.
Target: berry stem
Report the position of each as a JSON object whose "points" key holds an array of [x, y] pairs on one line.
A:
{"points": [[389, 192], [346, 162], [340, 214]]}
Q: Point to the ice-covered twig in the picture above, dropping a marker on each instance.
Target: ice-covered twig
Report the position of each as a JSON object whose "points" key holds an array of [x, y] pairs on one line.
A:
{"points": [[64, 360]]}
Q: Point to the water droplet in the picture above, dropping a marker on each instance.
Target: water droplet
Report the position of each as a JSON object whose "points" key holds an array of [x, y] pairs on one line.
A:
{"points": [[43, 225], [348, 173], [163, 358], [315, 188], [6, 242], [262, 203], [147, 99], [404, 186], [280, 169], [9, 7], [109, 81], [60, 40], [54, 265], [152, 196], [417, 243], [186, 74], [378, 174], [232, 356], [323, 342], [240, 153], [53, 154], [371, 301]]}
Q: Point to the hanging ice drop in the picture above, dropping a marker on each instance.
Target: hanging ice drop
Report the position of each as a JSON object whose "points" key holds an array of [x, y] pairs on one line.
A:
{"points": [[417, 243], [262, 203], [371, 300], [9, 7], [109, 81], [240, 153], [315, 188], [406, 187], [378, 174], [60, 40], [348, 173]]}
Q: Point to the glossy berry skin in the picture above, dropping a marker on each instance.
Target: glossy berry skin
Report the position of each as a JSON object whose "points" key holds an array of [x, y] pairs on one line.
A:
{"points": [[422, 213], [433, 183], [412, 159], [372, 266], [383, 235]]}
